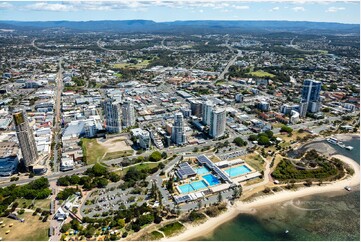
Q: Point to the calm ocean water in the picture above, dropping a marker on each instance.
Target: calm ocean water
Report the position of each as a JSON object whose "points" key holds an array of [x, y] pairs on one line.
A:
{"points": [[328, 217]]}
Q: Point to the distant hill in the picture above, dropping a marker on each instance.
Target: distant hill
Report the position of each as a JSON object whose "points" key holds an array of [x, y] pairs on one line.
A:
{"points": [[206, 26]]}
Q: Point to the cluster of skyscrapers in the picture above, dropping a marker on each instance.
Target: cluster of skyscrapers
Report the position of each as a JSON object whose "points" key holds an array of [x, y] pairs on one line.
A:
{"points": [[211, 116], [118, 115], [121, 114]]}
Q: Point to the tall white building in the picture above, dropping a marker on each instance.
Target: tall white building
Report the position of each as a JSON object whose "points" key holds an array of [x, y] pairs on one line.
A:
{"points": [[128, 114], [178, 132], [112, 114], [218, 123], [26, 139], [144, 139], [311, 101], [207, 111]]}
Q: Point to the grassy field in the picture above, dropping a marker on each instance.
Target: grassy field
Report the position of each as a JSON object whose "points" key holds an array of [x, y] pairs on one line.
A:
{"points": [[294, 136], [254, 160], [32, 229], [141, 65], [215, 158], [172, 229], [93, 150], [118, 154], [261, 73], [44, 204], [154, 235], [253, 181]]}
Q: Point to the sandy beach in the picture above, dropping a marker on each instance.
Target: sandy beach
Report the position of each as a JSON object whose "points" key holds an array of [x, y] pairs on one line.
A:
{"points": [[250, 207]]}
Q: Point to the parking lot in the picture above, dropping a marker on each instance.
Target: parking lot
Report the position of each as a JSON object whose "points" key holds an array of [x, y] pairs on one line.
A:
{"points": [[107, 199], [231, 155]]}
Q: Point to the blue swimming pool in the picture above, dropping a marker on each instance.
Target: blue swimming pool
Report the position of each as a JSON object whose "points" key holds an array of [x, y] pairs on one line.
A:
{"points": [[186, 188], [211, 179], [194, 186], [202, 170], [198, 185], [238, 171]]}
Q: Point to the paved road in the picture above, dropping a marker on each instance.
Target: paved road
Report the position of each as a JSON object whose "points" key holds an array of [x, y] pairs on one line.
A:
{"points": [[54, 223], [36, 47], [56, 127], [231, 61]]}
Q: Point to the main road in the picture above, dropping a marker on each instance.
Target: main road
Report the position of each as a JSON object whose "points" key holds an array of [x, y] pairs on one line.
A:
{"points": [[38, 48], [231, 61], [56, 126], [103, 48]]}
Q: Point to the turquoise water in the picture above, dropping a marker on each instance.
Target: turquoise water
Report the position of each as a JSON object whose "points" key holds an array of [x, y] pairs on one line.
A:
{"points": [[211, 179], [202, 170], [198, 185], [314, 218], [186, 188], [237, 171], [194, 186], [327, 217]]}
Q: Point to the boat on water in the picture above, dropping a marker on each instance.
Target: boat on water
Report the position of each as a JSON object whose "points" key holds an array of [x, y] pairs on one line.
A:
{"points": [[286, 232], [349, 148], [348, 188], [342, 145], [332, 140]]}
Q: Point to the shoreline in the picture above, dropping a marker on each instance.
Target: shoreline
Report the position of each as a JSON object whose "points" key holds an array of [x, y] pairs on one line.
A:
{"points": [[347, 136], [250, 207]]}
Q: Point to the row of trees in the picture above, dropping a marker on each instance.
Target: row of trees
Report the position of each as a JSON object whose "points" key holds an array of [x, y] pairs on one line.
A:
{"points": [[134, 175], [264, 138], [37, 189], [96, 176], [239, 142], [131, 218]]}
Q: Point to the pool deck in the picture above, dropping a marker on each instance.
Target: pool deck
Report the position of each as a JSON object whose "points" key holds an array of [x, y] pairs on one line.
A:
{"points": [[247, 177]]}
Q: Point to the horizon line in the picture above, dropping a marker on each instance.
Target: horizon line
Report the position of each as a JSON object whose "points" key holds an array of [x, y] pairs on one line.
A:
{"points": [[197, 20]]}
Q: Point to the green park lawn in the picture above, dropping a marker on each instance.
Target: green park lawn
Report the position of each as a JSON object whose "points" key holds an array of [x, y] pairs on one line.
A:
{"points": [[93, 150], [172, 229], [44, 204], [141, 65], [139, 167], [118, 154], [261, 73]]}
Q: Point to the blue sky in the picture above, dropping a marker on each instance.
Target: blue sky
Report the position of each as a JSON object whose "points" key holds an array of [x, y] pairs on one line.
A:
{"points": [[171, 10]]}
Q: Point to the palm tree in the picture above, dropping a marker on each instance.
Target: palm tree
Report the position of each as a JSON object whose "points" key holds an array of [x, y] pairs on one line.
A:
{"points": [[220, 198]]}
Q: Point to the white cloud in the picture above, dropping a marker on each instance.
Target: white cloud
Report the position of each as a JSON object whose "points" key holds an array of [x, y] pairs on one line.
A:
{"points": [[5, 5], [334, 9], [42, 6], [92, 5], [274, 9], [298, 9], [240, 7]]}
